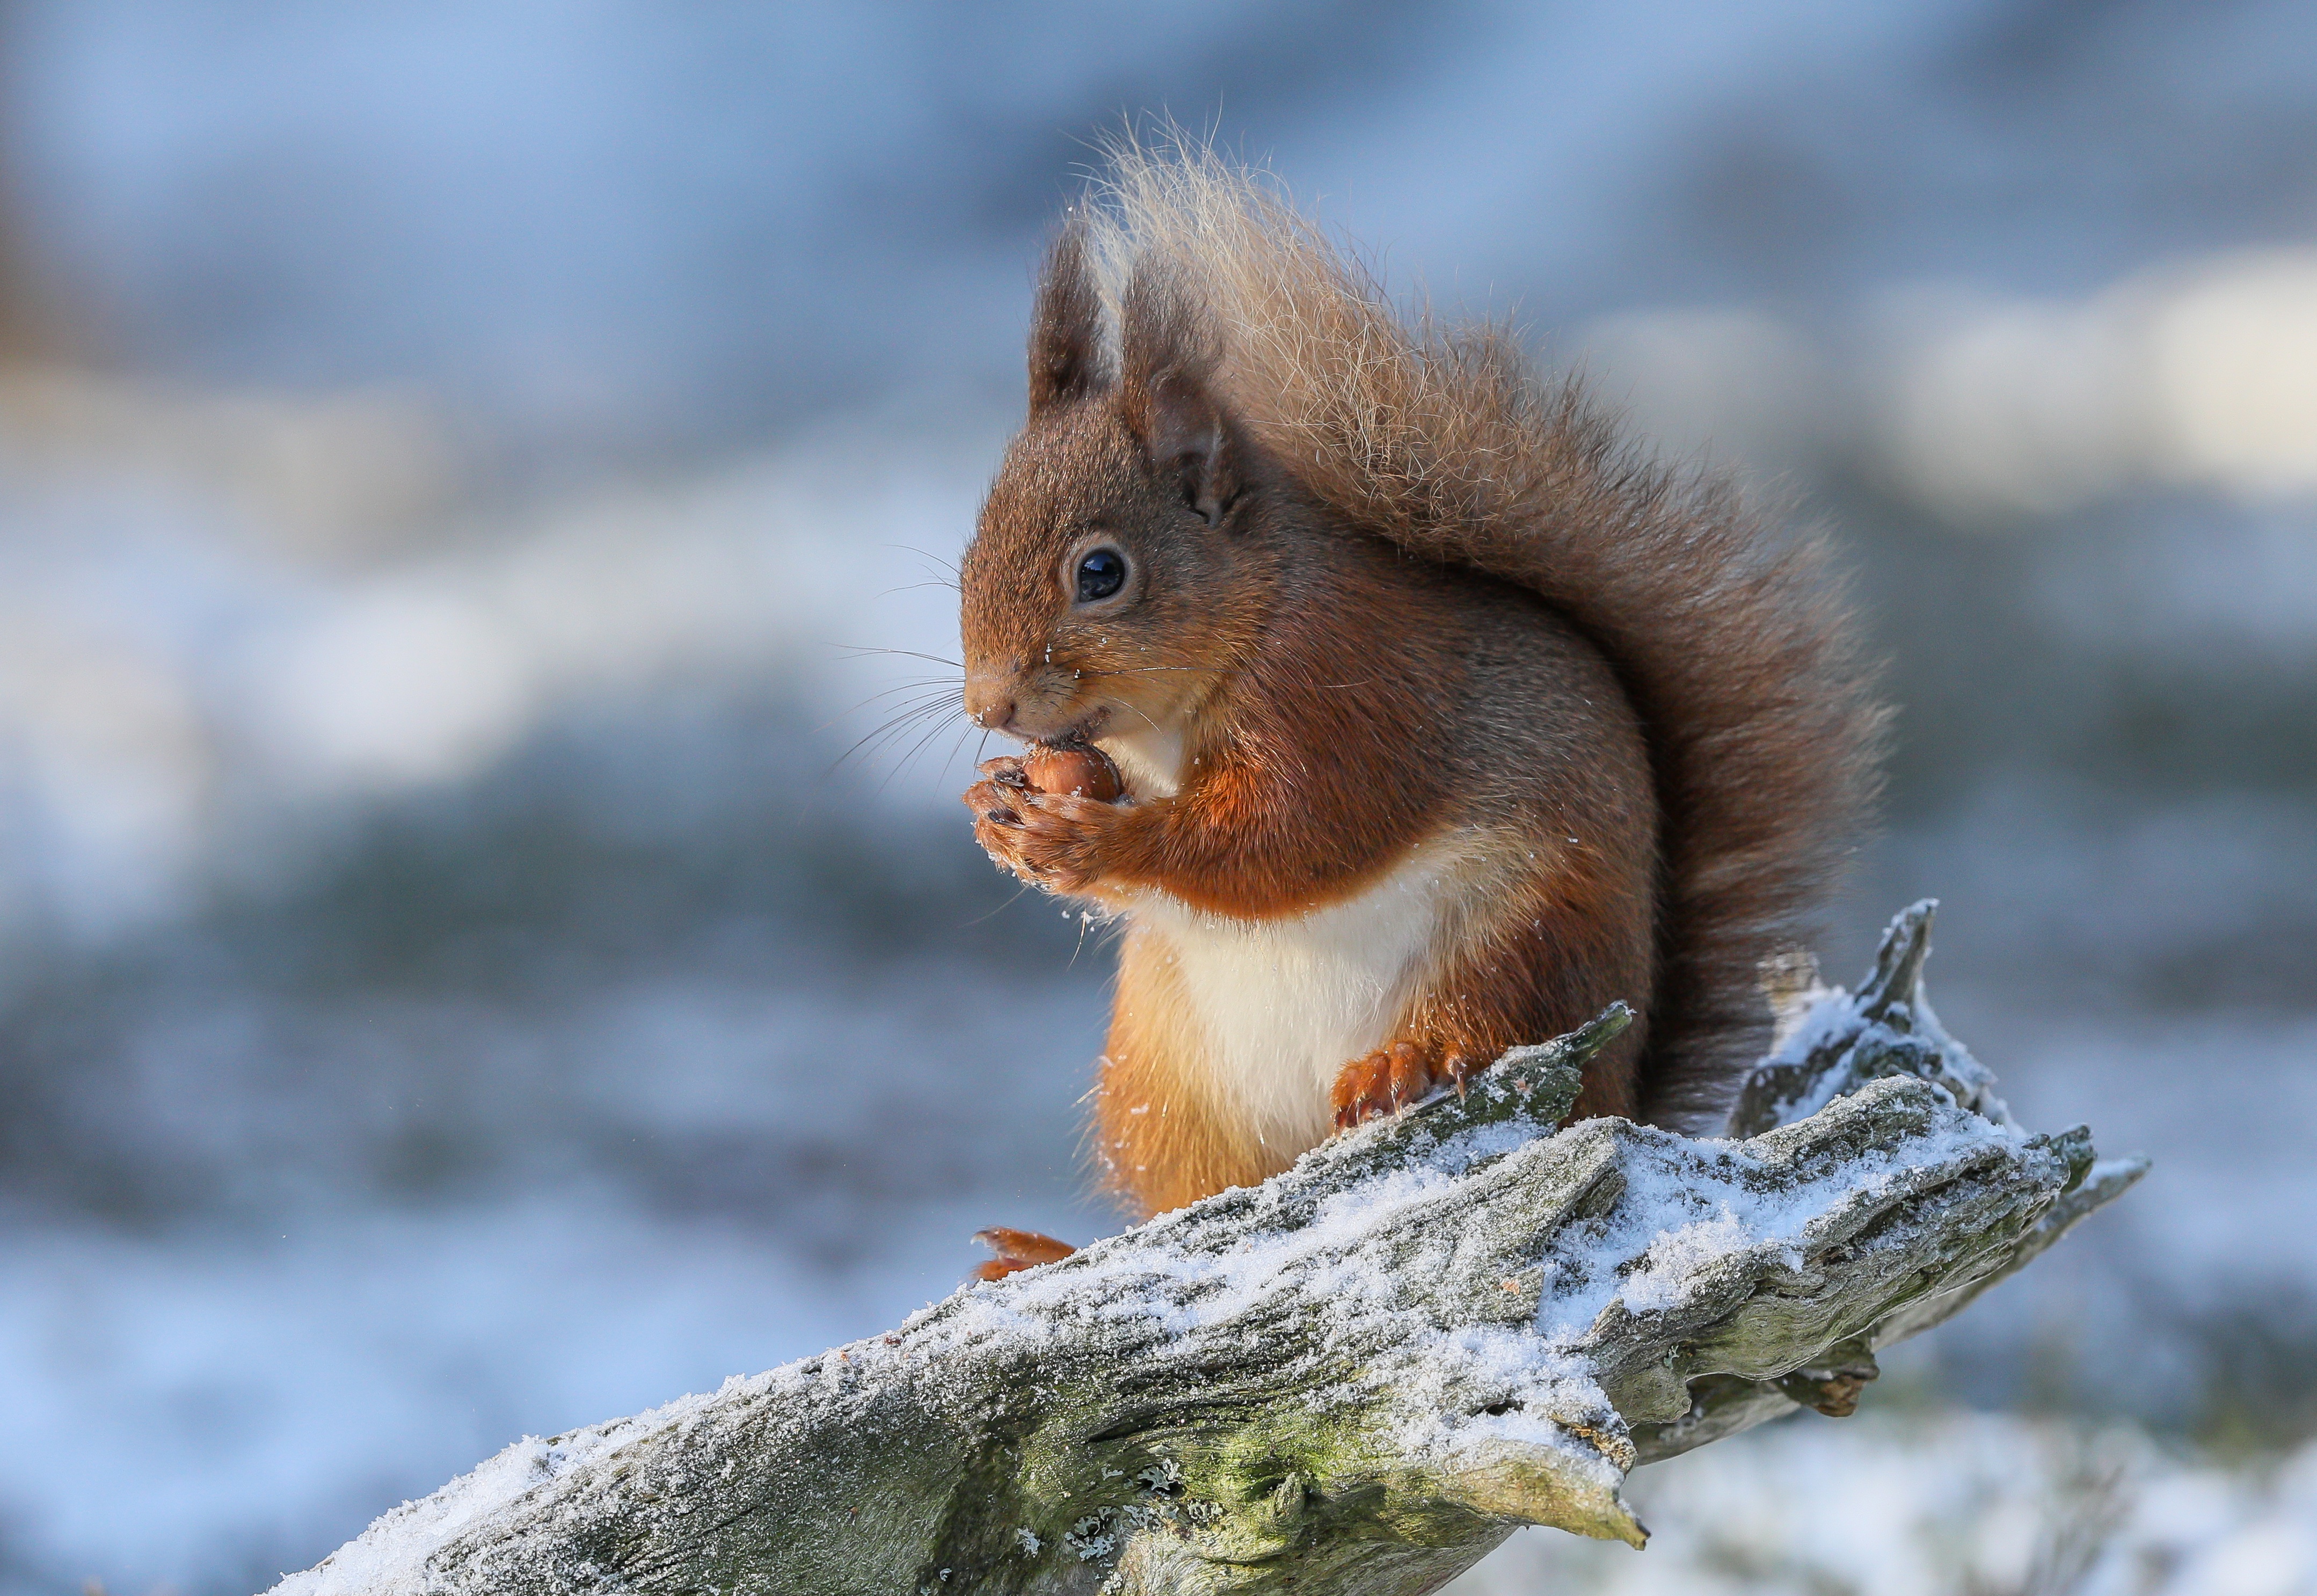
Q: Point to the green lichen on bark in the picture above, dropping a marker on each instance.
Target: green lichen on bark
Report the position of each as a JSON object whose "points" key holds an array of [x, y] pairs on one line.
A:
{"points": [[1359, 1377]]}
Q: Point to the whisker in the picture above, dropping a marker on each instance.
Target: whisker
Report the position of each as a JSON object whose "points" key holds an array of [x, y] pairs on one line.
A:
{"points": [[862, 650], [931, 686], [898, 726], [885, 747], [870, 746], [941, 559], [924, 698], [925, 681], [954, 748], [1122, 704], [1001, 908], [915, 748]]}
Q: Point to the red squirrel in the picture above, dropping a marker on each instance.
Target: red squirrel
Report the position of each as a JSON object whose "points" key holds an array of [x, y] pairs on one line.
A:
{"points": [[1443, 716]]}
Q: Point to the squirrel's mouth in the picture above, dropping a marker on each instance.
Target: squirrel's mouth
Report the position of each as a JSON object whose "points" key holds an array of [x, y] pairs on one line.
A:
{"points": [[1080, 732]]}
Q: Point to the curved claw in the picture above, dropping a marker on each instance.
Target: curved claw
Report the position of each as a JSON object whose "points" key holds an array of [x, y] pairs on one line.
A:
{"points": [[1016, 1249]]}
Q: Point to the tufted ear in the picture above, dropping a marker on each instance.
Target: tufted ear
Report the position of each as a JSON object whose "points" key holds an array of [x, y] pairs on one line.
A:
{"points": [[1169, 355], [1066, 325]]}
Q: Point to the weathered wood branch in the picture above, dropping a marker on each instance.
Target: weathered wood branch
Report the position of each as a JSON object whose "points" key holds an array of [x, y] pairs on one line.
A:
{"points": [[1359, 1377]]}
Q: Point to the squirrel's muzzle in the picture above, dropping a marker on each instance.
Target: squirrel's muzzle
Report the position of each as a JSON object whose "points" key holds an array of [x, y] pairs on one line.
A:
{"points": [[989, 700]]}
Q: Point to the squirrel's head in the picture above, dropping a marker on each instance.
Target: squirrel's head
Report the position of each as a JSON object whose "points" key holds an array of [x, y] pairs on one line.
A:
{"points": [[1118, 572]]}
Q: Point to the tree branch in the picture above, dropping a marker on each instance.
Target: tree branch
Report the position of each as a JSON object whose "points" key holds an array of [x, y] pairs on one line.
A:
{"points": [[1359, 1377]]}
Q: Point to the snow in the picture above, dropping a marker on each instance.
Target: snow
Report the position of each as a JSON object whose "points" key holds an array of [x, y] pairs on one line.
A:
{"points": [[244, 1396], [182, 698], [1373, 1284], [1679, 1255]]}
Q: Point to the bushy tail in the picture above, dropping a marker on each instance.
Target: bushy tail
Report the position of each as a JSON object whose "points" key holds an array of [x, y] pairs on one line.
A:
{"points": [[1731, 639]]}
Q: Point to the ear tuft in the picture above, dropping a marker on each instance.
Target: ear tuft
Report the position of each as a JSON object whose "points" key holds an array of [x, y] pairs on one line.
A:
{"points": [[1168, 357], [1066, 327]]}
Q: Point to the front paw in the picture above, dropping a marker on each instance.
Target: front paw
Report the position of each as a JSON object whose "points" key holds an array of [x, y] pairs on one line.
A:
{"points": [[1391, 1078], [1055, 840]]}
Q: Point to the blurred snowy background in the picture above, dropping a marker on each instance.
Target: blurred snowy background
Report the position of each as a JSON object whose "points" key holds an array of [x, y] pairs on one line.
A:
{"points": [[459, 466]]}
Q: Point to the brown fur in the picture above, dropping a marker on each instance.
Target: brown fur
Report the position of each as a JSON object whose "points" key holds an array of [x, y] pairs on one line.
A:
{"points": [[1392, 596]]}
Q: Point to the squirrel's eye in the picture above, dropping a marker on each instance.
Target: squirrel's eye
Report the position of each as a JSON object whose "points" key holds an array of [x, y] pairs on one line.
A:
{"points": [[1101, 573]]}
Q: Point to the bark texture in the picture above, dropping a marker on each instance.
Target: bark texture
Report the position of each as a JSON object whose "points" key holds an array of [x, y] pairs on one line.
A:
{"points": [[1358, 1378]]}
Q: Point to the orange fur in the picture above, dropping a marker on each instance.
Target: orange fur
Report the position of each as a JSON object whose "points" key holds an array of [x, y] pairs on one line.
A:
{"points": [[1157, 1134]]}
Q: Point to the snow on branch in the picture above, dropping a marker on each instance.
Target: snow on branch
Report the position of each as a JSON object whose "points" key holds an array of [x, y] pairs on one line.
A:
{"points": [[1358, 1377]]}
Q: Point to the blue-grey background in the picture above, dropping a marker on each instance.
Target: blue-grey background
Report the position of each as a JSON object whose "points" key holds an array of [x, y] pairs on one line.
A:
{"points": [[461, 466]]}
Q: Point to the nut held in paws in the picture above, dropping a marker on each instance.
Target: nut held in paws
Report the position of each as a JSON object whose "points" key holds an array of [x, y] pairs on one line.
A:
{"points": [[1083, 772]]}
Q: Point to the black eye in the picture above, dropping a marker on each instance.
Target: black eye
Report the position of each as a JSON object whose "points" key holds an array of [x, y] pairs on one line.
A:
{"points": [[1101, 573]]}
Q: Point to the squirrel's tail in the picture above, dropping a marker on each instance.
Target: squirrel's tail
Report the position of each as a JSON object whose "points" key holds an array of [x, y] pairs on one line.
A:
{"points": [[1730, 637]]}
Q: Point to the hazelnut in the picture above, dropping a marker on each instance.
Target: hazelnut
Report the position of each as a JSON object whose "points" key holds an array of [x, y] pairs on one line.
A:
{"points": [[1083, 772]]}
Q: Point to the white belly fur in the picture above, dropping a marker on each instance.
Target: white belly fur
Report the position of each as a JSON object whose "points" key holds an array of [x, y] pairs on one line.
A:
{"points": [[1284, 1004], [1149, 759]]}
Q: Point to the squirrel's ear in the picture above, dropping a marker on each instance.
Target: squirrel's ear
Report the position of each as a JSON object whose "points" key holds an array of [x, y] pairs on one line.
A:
{"points": [[1166, 368], [1066, 327]]}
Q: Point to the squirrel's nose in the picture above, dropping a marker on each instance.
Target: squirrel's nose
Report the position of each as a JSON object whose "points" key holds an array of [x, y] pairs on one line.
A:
{"points": [[988, 704]]}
